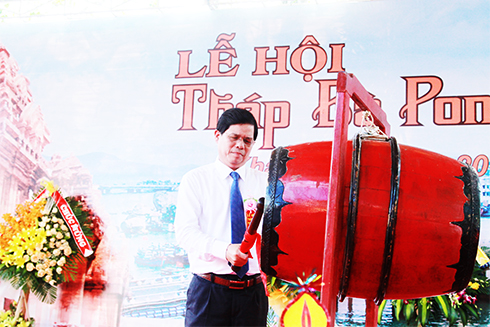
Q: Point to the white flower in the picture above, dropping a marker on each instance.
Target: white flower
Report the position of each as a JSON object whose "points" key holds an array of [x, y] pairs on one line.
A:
{"points": [[57, 252], [61, 262], [41, 273], [35, 258], [39, 246], [56, 225], [30, 266], [30, 252], [52, 263], [64, 228], [59, 235], [67, 251], [42, 224], [59, 270], [52, 282], [48, 278]]}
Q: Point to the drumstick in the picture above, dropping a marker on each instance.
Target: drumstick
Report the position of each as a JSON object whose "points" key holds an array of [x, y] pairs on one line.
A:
{"points": [[251, 233]]}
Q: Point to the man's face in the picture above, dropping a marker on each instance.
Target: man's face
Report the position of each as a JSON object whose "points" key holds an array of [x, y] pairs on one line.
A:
{"points": [[235, 144]]}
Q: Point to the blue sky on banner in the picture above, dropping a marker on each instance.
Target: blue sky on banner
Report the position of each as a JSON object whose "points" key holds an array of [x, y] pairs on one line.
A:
{"points": [[105, 85]]}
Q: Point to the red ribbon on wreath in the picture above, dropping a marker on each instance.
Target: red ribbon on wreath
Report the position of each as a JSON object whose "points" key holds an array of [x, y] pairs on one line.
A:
{"points": [[69, 217]]}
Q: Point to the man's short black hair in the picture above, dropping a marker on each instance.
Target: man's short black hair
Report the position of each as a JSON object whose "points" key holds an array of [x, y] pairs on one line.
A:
{"points": [[235, 116]]}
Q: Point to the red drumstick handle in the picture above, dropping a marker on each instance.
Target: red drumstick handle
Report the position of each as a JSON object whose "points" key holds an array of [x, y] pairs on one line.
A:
{"points": [[248, 242], [251, 233]]}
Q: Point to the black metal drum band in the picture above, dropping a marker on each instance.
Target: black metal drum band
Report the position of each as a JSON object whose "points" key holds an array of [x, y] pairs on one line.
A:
{"points": [[352, 217], [272, 212], [470, 228]]}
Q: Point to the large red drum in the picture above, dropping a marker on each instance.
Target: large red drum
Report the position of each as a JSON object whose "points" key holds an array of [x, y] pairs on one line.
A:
{"points": [[411, 219]]}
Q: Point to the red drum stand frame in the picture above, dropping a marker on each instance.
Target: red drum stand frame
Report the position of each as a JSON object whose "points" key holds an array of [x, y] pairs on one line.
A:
{"points": [[348, 87]]}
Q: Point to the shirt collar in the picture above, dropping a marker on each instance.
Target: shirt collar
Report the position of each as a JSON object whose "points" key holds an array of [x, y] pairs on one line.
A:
{"points": [[224, 171]]}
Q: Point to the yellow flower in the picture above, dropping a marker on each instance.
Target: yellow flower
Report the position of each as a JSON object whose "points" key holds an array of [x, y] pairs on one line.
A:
{"points": [[25, 218], [22, 323], [50, 187], [4, 315], [474, 286], [17, 251], [278, 300]]}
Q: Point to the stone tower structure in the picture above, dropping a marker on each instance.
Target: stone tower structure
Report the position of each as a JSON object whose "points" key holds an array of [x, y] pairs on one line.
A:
{"points": [[23, 136]]}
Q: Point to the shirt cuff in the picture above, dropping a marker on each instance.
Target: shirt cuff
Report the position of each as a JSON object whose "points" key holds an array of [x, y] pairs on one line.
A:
{"points": [[218, 249]]}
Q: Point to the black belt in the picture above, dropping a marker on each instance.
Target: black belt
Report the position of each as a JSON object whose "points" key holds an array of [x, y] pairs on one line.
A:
{"points": [[230, 283]]}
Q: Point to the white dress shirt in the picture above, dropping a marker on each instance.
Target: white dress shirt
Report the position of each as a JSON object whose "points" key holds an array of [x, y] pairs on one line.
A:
{"points": [[202, 221]]}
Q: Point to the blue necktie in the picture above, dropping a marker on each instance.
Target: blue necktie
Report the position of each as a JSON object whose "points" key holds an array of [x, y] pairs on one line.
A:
{"points": [[237, 217]]}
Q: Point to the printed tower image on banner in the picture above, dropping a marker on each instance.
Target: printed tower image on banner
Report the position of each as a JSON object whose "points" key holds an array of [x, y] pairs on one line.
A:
{"points": [[24, 135]]}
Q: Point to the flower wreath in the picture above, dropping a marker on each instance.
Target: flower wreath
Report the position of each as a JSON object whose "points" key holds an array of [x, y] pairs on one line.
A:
{"points": [[37, 249]]}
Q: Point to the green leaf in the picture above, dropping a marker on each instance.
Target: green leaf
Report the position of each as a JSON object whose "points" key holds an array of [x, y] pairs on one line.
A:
{"points": [[409, 310], [463, 315], [423, 306], [42, 290], [70, 269], [380, 310], [453, 316], [22, 279], [472, 309], [444, 304], [398, 308], [273, 280]]}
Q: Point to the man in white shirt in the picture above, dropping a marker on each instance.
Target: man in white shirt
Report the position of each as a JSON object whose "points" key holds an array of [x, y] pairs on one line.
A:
{"points": [[217, 296]]}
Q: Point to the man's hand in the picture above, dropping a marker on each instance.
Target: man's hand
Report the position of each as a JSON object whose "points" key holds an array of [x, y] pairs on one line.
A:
{"points": [[235, 256]]}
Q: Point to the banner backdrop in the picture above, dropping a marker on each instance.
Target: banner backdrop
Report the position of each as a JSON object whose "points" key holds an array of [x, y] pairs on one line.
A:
{"points": [[131, 103]]}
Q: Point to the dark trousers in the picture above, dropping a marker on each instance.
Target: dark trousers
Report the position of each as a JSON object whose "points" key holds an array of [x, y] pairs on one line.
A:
{"points": [[209, 304]]}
